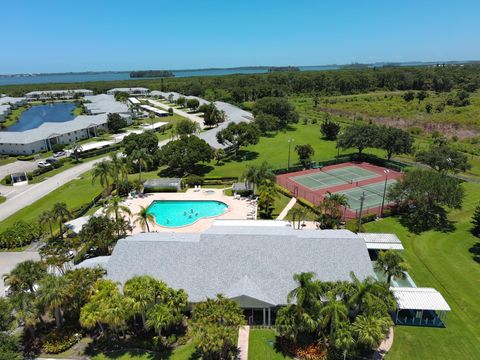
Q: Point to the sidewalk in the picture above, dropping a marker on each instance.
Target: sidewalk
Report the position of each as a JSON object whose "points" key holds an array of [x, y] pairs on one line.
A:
{"points": [[287, 208], [243, 335]]}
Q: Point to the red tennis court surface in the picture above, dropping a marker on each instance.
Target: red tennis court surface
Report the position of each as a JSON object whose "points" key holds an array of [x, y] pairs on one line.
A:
{"points": [[350, 179]]}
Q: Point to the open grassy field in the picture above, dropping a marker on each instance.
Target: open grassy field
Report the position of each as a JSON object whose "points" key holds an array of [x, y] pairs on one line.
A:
{"points": [[75, 193], [442, 261], [261, 345], [392, 104]]}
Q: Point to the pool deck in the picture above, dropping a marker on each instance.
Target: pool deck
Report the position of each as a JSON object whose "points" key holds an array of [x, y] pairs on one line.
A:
{"points": [[237, 209]]}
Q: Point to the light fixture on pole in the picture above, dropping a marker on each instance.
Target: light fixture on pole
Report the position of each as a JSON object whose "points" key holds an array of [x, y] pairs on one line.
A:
{"points": [[386, 171], [289, 144]]}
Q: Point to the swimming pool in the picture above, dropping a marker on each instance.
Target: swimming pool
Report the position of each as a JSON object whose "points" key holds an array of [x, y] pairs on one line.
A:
{"points": [[176, 213]]}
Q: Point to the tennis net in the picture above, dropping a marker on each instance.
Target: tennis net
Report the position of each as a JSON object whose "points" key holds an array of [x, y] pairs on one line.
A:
{"points": [[374, 189], [346, 179]]}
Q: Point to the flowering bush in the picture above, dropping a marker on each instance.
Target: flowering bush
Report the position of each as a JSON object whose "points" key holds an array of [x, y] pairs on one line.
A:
{"points": [[59, 340]]}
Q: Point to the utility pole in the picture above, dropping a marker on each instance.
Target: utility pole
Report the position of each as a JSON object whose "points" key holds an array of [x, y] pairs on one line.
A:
{"points": [[359, 225], [289, 144], [384, 191]]}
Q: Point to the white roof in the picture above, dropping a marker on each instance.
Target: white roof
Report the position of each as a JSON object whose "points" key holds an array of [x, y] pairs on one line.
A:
{"points": [[134, 100], [77, 224], [153, 109], [96, 145], [59, 92], [104, 103], [419, 299], [381, 241], [6, 100]]}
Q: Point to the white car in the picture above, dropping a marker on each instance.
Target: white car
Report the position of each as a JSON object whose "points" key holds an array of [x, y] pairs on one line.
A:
{"points": [[43, 164]]}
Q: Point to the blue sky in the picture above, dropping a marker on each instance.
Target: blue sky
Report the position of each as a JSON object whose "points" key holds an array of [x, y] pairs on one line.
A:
{"points": [[57, 36]]}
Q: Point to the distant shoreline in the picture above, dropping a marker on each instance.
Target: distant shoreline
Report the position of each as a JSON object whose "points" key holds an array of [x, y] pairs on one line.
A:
{"points": [[260, 67]]}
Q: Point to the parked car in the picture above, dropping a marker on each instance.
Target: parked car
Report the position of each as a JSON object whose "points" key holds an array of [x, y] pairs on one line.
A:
{"points": [[51, 160], [43, 164], [59, 154]]}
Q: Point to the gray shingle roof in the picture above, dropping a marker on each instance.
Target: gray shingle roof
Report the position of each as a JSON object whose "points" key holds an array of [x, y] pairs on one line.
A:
{"points": [[104, 103], [259, 261]]}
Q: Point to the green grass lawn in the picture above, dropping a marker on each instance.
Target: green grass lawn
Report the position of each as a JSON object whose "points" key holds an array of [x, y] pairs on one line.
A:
{"points": [[261, 346], [2, 199], [274, 150], [442, 261], [75, 193], [7, 160]]}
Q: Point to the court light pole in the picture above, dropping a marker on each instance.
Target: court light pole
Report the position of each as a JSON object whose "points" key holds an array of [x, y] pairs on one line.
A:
{"points": [[289, 144], [386, 171]]}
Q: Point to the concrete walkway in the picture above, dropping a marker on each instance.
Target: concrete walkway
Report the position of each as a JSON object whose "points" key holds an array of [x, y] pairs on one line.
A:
{"points": [[384, 347], [243, 335], [287, 208]]}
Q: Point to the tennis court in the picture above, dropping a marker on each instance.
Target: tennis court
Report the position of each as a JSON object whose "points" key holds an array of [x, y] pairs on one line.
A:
{"points": [[373, 195], [334, 177]]}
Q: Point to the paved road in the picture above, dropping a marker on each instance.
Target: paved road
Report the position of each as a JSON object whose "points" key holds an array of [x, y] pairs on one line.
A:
{"points": [[8, 260], [185, 114], [25, 196]]}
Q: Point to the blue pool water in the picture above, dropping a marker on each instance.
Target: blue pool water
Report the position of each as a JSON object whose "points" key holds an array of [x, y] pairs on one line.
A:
{"points": [[38, 114], [175, 213]]}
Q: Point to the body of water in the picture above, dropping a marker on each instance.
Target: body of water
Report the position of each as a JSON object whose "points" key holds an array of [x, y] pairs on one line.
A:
{"points": [[111, 76], [38, 114], [176, 213]]}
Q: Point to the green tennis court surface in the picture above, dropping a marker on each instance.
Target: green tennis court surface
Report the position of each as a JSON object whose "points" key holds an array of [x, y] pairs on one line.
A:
{"points": [[373, 195], [334, 177]]}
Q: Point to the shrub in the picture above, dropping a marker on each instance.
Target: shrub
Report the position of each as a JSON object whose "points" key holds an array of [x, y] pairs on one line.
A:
{"points": [[193, 180], [7, 180], [59, 341], [58, 147], [152, 189], [25, 157], [19, 234]]}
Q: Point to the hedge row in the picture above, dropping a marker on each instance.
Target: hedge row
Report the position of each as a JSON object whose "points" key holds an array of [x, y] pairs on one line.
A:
{"points": [[19, 234]]}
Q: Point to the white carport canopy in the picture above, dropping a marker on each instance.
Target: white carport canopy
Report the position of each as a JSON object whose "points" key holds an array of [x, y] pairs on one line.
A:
{"points": [[380, 241], [419, 299], [77, 224]]}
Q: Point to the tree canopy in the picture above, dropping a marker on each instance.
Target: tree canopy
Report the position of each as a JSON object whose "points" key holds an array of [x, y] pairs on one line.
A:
{"points": [[147, 140], [237, 135], [358, 136], [115, 122], [442, 157], [278, 107], [183, 154], [423, 196]]}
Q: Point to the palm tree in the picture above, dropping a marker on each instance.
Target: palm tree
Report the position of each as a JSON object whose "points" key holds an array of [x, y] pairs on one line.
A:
{"points": [[144, 291], [297, 213], [118, 210], [333, 314], [159, 317], [391, 264], [344, 340], [26, 311], [53, 294], [267, 193], [369, 294], [103, 172], [143, 217], [141, 158], [256, 175], [117, 169], [61, 213], [76, 149], [370, 330], [46, 218], [24, 276], [222, 116]]}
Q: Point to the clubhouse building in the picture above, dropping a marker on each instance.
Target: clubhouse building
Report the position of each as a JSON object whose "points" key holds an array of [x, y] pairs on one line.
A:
{"points": [[249, 261], [81, 127]]}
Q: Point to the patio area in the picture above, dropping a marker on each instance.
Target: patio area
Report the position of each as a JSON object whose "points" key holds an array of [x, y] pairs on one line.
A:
{"points": [[237, 208]]}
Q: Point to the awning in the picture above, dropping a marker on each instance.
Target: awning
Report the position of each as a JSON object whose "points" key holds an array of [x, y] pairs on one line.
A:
{"points": [[380, 241], [419, 299]]}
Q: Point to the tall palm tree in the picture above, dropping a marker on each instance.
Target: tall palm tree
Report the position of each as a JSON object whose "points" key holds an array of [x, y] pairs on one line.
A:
{"points": [[391, 264], [143, 217], [256, 175], [53, 294], [144, 291], [61, 213], [47, 218], [267, 193], [25, 276], [333, 314], [369, 293], [116, 169], [118, 210], [103, 172], [159, 317], [26, 311], [141, 158]]}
